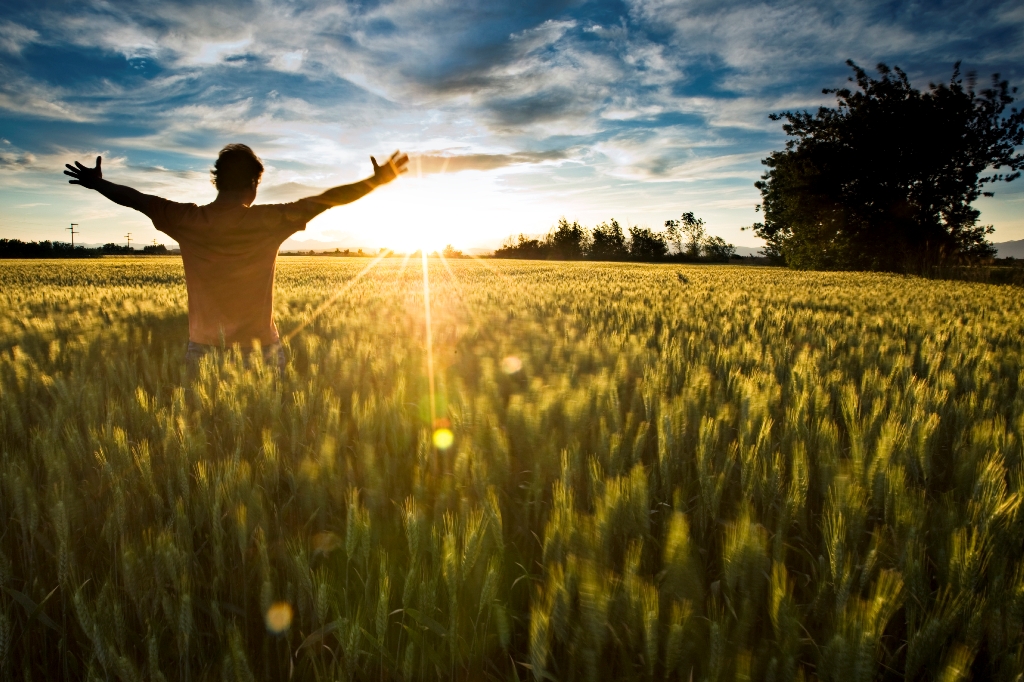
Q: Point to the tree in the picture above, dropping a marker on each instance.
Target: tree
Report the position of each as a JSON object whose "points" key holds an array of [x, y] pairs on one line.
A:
{"points": [[568, 241], [691, 239], [885, 180], [673, 235], [451, 252], [523, 247], [646, 245], [717, 249], [608, 242], [693, 234]]}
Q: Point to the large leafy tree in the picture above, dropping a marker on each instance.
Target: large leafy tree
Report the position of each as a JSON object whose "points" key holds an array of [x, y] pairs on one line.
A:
{"points": [[885, 180]]}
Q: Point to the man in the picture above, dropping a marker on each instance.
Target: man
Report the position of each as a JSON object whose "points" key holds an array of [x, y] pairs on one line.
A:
{"points": [[229, 247]]}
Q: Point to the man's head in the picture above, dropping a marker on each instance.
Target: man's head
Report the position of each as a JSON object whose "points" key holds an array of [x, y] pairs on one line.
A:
{"points": [[237, 168]]}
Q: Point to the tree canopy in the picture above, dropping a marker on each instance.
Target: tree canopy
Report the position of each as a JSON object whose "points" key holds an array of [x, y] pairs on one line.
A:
{"points": [[885, 180]]}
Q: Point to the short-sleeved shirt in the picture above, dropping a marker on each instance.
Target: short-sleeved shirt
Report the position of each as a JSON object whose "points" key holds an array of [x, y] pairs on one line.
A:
{"points": [[230, 255]]}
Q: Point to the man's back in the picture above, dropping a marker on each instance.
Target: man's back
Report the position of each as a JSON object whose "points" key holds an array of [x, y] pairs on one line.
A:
{"points": [[230, 247], [229, 256]]}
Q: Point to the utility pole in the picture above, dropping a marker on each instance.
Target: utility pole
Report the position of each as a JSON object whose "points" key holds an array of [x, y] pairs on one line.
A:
{"points": [[129, 238], [73, 233]]}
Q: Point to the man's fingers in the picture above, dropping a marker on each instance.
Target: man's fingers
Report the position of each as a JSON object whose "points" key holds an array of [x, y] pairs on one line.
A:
{"points": [[70, 173], [70, 168], [396, 164], [74, 182], [80, 166], [98, 160]]}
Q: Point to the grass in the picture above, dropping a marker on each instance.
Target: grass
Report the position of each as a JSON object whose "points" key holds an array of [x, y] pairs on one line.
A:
{"points": [[657, 472]]}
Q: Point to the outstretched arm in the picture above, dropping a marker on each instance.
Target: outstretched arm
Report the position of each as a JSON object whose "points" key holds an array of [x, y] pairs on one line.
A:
{"points": [[92, 178], [346, 194]]}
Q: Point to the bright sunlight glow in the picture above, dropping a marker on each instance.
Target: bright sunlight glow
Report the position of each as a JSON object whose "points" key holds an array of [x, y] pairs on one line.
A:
{"points": [[430, 212]]}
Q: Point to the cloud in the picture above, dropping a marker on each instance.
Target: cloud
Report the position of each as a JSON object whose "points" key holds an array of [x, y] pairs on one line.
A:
{"points": [[14, 37], [288, 61], [764, 44], [16, 160], [30, 98], [436, 162], [429, 163], [208, 53]]}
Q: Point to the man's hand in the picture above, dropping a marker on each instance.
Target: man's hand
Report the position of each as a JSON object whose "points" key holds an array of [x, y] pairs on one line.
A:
{"points": [[397, 164], [86, 177], [346, 194], [92, 178]]}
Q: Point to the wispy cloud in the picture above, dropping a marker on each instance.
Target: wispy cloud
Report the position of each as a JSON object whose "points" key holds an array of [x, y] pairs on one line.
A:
{"points": [[428, 163], [14, 37]]}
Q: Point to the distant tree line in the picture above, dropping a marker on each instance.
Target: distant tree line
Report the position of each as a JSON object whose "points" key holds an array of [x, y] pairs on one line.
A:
{"points": [[684, 239], [15, 248]]}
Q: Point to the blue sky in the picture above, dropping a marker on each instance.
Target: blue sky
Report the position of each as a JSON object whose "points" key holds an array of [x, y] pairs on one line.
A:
{"points": [[516, 113]]}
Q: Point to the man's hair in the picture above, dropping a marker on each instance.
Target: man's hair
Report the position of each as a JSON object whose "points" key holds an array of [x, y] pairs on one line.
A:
{"points": [[237, 167]]}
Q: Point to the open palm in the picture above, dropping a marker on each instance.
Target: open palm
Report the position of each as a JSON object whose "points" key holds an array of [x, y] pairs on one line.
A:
{"points": [[395, 165], [86, 177]]}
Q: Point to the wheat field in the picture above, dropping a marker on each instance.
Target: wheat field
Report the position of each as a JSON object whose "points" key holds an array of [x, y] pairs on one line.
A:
{"points": [[626, 472]]}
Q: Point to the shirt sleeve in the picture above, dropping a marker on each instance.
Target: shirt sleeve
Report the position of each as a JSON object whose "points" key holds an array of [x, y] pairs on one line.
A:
{"points": [[168, 216], [291, 218]]}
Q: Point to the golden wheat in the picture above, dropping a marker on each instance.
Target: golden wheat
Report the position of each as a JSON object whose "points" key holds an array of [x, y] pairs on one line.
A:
{"points": [[740, 473]]}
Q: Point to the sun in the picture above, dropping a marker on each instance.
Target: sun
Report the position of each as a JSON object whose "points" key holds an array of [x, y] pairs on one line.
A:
{"points": [[443, 210], [466, 209], [430, 241]]}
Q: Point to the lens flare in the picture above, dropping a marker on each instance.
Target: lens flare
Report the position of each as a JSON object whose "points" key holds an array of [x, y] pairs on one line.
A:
{"points": [[511, 364], [279, 617], [326, 542], [443, 439]]}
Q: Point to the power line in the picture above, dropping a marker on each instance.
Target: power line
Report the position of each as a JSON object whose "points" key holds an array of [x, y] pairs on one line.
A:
{"points": [[73, 233], [129, 238]]}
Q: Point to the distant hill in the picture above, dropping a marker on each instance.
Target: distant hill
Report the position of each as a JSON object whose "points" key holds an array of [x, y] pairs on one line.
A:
{"points": [[1013, 249]]}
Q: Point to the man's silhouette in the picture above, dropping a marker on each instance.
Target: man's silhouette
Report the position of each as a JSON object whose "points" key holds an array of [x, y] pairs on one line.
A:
{"points": [[229, 247]]}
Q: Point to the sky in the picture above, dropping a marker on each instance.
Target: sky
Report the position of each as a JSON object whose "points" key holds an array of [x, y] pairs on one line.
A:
{"points": [[515, 113]]}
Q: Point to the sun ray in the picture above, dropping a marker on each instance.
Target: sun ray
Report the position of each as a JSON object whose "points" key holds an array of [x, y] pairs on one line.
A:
{"points": [[455, 284], [405, 263], [429, 339], [334, 297]]}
